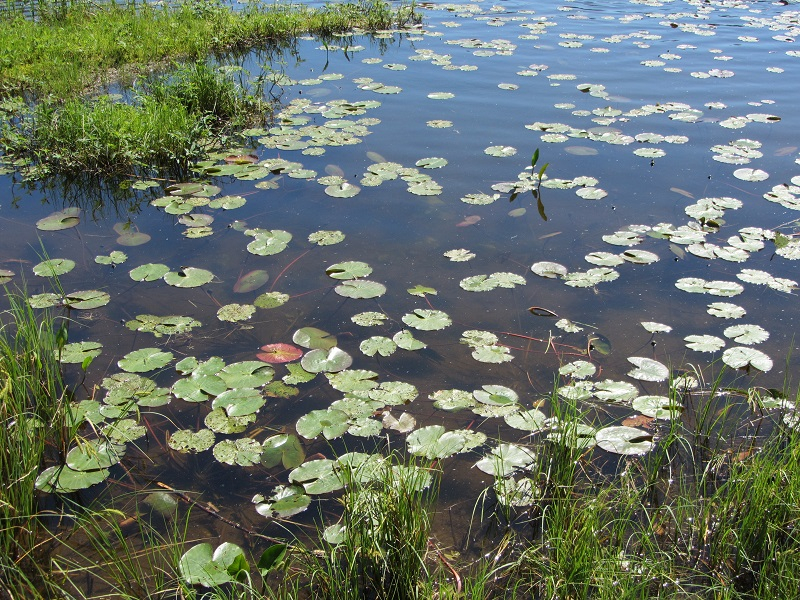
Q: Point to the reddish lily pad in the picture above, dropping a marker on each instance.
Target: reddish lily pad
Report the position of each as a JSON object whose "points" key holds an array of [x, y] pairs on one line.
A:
{"points": [[279, 353]]}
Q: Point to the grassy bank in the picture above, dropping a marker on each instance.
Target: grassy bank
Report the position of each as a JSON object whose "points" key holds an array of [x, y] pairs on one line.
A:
{"points": [[71, 48], [49, 64]]}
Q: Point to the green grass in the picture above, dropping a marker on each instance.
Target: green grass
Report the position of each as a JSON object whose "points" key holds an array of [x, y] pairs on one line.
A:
{"points": [[32, 421], [70, 49]]}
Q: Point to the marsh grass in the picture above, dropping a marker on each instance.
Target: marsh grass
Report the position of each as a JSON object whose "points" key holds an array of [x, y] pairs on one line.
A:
{"points": [[33, 421], [385, 538], [77, 45], [171, 122]]}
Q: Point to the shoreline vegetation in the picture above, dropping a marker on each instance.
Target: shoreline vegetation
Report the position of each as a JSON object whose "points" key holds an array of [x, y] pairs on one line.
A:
{"points": [[174, 105], [712, 511]]}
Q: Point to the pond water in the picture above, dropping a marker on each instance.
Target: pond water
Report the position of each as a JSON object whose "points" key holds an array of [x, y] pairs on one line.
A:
{"points": [[669, 133]]}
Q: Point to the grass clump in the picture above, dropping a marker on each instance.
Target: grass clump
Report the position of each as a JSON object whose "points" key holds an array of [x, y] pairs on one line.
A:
{"points": [[33, 418], [172, 122], [380, 546]]}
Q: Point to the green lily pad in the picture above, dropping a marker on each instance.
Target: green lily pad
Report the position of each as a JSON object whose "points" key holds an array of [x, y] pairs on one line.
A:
{"points": [[227, 202], [648, 369], [326, 361], [378, 345], [202, 565], [246, 374], [188, 277], [145, 359], [271, 300], [113, 259], [406, 340], [505, 460], [124, 430], [78, 352], [624, 440], [54, 267], [266, 242], [284, 449], [657, 407], [452, 399], [704, 343], [62, 219], [149, 272], [285, 502], [496, 395], [526, 420], [326, 238], [63, 480], [219, 421], [86, 300], [361, 289], [500, 151], [550, 270], [244, 452], [434, 441], [186, 440], [342, 190], [93, 455], [160, 326], [236, 312], [740, 357], [314, 338], [427, 319], [331, 423], [239, 402], [349, 270], [746, 334]]}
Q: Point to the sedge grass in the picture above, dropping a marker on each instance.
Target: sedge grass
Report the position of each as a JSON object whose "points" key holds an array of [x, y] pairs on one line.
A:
{"points": [[32, 415]]}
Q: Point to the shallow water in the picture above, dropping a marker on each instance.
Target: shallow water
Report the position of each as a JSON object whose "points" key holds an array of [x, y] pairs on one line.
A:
{"points": [[403, 236]]}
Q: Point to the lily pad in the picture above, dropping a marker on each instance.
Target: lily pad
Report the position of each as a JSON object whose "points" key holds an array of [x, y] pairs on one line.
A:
{"points": [[434, 441], [244, 452], [79, 352], [188, 277], [145, 359], [314, 338], [251, 281], [360, 289], [236, 312], [326, 361], [279, 353], [349, 270], [740, 357], [648, 369], [186, 440], [331, 423], [149, 272], [505, 460], [624, 440], [54, 267], [427, 319], [63, 219], [284, 449], [203, 565]]}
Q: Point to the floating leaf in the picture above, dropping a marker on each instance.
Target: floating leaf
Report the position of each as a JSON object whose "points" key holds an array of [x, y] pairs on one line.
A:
{"points": [[331, 423], [200, 565], [349, 270], [505, 459], [322, 361], [78, 352], [54, 267], [287, 501], [434, 441], [63, 219], [360, 288], [624, 440], [526, 420], [145, 359], [648, 369], [657, 407], [704, 343], [186, 440], [746, 334], [377, 345], [654, 327], [86, 300], [740, 357], [312, 337], [326, 238], [284, 449], [271, 300], [427, 319], [244, 452], [550, 270], [188, 277], [279, 353], [236, 312], [149, 272]]}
